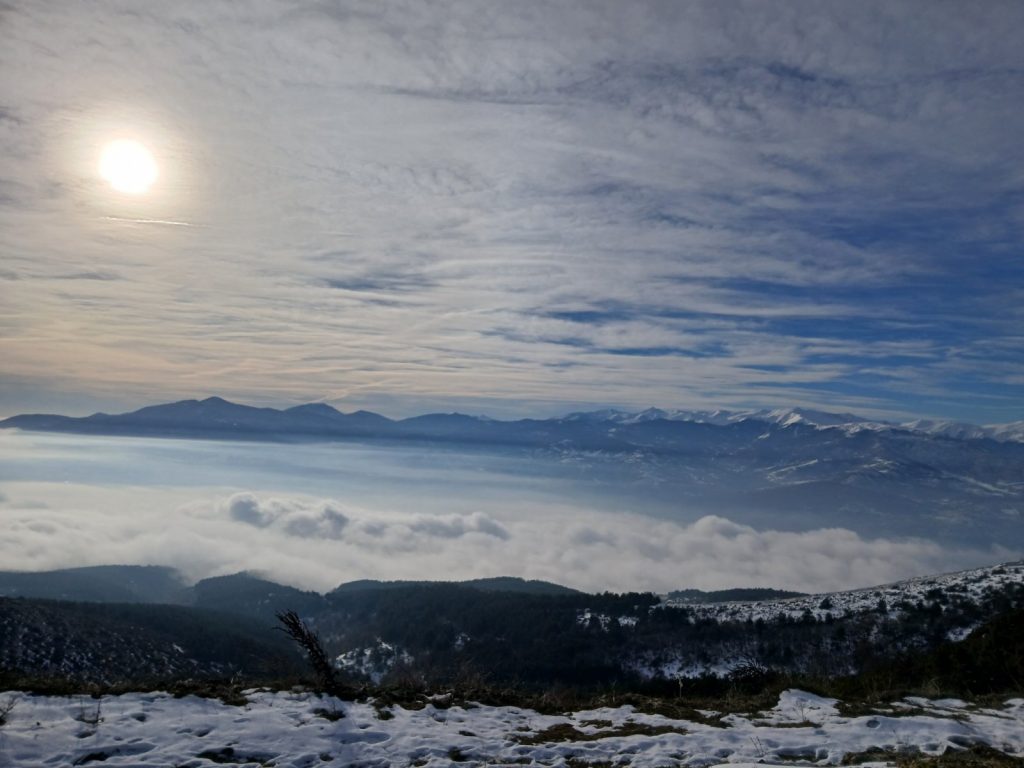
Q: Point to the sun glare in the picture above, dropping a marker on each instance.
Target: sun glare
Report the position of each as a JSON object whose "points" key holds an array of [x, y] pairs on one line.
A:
{"points": [[128, 166]]}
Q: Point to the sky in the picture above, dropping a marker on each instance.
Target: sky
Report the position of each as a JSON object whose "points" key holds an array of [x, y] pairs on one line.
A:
{"points": [[516, 208]]}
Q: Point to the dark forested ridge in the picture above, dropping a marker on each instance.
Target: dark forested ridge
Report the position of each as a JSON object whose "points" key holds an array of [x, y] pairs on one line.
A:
{"points": [[102, 583], [437, 632], [492, 584], [111, 643], [246, 593], [730, 595]]}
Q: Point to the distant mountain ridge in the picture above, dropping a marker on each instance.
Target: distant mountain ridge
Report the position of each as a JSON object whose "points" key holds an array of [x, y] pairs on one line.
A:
{"points": [[100, 583], [234, 593], [492, 584], [213, 417], [217, 417]]}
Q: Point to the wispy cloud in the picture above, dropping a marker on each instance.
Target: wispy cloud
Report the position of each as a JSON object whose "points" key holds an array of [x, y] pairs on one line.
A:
{"points": [[165, 222], [405, 205]]}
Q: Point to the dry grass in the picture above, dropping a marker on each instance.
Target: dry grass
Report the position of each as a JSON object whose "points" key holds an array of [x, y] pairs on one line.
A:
{"points": [[566, 732], [978, 756]]}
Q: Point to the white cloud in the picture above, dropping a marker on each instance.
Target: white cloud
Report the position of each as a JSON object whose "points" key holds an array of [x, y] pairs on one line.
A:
{"points": [[301, 540], [456, 526], [323, 520]]}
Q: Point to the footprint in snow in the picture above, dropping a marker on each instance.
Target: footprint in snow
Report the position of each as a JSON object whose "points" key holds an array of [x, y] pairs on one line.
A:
{"points": [[306, 761], [369, 737], [98, 753]]}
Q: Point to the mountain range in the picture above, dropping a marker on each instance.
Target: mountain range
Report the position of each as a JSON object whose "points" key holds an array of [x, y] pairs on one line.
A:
{"points": [[798, 469], [217, 417]]}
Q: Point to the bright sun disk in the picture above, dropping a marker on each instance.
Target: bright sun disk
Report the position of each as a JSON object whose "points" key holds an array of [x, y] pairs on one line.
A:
{"points": [[128, 166]]}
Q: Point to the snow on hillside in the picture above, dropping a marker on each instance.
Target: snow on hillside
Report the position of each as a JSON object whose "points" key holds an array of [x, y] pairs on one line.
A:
{"points": [[789, 417], [1011, 432], [970, 584], [301, 730], [373, 661]]}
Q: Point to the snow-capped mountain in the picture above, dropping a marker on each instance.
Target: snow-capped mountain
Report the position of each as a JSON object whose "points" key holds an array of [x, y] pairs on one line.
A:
{"points": [[1010, 432], [788, 417]]}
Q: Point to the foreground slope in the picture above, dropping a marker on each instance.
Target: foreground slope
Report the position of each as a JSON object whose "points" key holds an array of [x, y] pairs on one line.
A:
{"points": [[301, 730]]}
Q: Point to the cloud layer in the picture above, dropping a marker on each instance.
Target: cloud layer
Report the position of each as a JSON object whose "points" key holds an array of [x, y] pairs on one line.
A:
{"points": [[319, 543]]}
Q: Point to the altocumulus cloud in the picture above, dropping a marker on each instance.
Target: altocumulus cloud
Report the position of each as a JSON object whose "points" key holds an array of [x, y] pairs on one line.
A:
{"points": [[325, 519], [322, 520]]}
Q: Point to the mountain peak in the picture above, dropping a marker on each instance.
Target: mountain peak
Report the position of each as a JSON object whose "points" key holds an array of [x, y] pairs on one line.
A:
{"points": [[796, 415], [320, 408]]}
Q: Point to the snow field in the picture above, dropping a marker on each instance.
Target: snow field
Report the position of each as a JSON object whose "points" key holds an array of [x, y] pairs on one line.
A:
{"points": [[301, 729]]}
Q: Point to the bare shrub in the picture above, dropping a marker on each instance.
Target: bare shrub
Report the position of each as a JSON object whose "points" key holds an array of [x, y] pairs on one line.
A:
{"points": [[309, 641]]}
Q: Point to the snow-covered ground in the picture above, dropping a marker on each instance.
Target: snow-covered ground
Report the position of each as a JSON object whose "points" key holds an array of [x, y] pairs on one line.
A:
{"points": [[299, 730], [969, 585]]}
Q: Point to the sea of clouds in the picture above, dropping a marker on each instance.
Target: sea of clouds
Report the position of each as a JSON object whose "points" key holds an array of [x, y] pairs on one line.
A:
{"points": [[319, 543], [318, 515]]}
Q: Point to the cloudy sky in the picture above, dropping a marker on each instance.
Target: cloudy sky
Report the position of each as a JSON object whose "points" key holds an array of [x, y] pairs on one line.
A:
{"points": [[516, 208]]}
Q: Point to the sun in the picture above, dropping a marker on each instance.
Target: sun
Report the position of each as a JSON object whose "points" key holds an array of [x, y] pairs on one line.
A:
{"points": [[128, 166]]}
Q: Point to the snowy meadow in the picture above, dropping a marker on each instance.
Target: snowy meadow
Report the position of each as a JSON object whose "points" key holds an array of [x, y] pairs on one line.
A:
{"points": [[300, 730]]}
